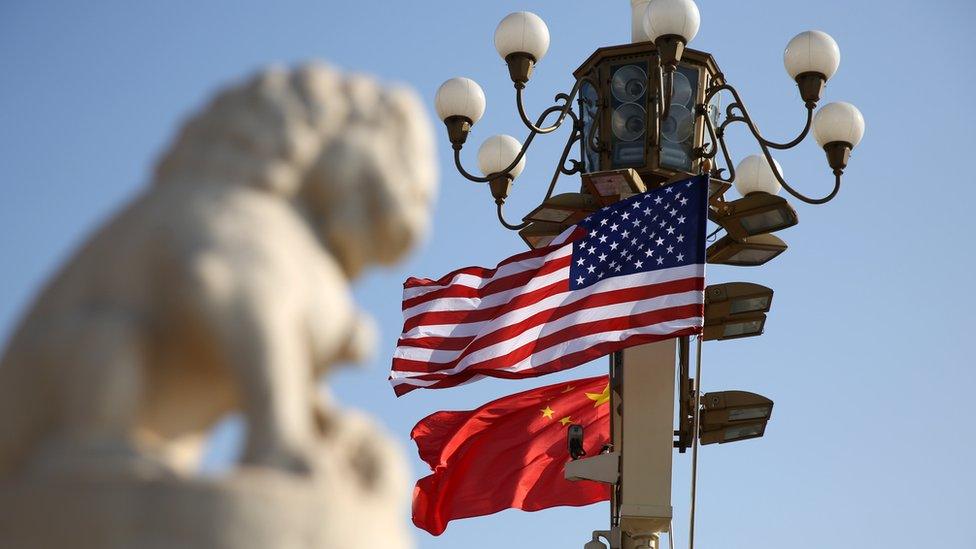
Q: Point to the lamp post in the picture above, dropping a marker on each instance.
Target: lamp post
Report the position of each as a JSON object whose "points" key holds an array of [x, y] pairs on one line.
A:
{"points": [[642, 115]]}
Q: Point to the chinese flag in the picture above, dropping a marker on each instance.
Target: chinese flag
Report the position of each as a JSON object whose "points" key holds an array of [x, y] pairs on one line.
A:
{"points": [[509, 454]]}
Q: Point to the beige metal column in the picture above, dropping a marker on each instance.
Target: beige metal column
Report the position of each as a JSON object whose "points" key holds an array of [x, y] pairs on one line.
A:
{"points": [[645, 441]]}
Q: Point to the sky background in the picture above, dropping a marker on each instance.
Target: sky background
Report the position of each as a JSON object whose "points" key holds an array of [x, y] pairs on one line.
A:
{"points": [[866, 351]]}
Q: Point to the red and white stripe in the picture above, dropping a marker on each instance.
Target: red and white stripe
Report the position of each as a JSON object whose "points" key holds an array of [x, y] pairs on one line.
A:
{"points": [[521, 319]]}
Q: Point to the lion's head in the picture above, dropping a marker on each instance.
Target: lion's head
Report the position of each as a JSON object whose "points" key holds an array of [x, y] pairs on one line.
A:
{"points": [[354, 157]]}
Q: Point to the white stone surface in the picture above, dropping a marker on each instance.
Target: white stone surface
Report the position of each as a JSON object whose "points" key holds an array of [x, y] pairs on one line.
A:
{"points": [[222, 286]]}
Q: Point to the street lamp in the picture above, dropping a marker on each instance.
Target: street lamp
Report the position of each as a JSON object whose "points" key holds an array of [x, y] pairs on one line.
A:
{"points": [[733, 433], [671, 24], [738, 326], [653, 107], [747, 252], [640, 116], [460, 103], [501, 161], [735, 309], [838, 128], [539, 234], [730, 416], [522, 38], [564, 208], [811, 58], [609, 186], [733, 298]]}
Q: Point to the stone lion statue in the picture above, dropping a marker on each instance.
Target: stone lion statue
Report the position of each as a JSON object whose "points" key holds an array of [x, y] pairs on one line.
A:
{"points": [[223, 285]]}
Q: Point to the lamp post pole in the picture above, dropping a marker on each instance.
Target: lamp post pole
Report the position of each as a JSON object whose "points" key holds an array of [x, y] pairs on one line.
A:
{"points": [[642, 401]]}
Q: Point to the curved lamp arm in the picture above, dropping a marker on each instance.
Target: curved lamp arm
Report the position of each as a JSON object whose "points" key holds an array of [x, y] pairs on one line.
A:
{"points": [[731, 117], [564, 107], [764, 144], [718, 141], [506, 224], [791, 190], [576, 167], [518, 157]]}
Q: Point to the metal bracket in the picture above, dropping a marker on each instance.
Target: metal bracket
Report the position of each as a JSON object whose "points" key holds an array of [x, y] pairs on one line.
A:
{"points": [[603, 468]]}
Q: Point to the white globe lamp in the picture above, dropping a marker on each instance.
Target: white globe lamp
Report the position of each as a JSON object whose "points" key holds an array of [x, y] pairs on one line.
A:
{"points": [[460, 103], [671, 24], [522, 39], [811, 58], [753, 175], [495, 155], [838, 128]]}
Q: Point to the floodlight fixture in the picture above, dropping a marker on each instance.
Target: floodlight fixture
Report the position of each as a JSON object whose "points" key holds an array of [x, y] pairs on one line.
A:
{"points": [[608, 187], [540, 234], [735, 327], [726, 407], [733, 433], [564, 208], [735, 298], [748, 252], [729, 416], [754, 214]]}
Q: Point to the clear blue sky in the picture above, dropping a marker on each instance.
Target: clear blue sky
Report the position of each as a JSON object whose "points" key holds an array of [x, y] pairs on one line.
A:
{"points": [[866, 352]]}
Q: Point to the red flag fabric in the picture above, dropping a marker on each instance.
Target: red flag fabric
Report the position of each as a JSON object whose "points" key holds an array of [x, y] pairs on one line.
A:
{"points": [[509, 453]]}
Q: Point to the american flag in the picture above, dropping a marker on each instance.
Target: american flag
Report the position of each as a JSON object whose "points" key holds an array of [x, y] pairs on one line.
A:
{"points": [[631, 273]]}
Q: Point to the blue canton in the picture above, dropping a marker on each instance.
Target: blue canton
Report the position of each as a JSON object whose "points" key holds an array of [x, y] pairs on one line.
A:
{"points": [[658, 229]]}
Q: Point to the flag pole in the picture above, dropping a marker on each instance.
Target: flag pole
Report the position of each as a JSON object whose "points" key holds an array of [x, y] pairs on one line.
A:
{"points": [[615, 359], [694, 445]]}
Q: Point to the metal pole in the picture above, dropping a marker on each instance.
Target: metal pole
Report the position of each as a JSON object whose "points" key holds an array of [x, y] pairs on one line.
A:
{"points": [[615, 382], [694, 445]]}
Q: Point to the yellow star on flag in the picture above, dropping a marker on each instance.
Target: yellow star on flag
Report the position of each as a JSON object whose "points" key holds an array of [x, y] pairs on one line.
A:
{"points": [[547, 412], [566, 420], [600, 398]]}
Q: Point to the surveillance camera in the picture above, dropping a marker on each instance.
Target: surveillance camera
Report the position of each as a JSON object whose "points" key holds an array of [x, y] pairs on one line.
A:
{"points": [[575, 438]]}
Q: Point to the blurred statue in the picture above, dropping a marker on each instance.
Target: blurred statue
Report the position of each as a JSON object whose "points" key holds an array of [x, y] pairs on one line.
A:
{"points": [[223, 286]]}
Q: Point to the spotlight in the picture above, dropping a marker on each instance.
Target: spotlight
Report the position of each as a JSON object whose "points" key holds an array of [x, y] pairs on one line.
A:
{"points": [[745, 325], [540, 234], [747, 252], [729, 416], [734, 433], [564, 208], [608, 186], [724, 407], [755, 214], [734, 298]]}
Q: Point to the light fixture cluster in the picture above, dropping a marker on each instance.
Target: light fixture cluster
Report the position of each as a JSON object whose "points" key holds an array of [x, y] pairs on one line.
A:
{"points": [[649, 113], [733, 310]]}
